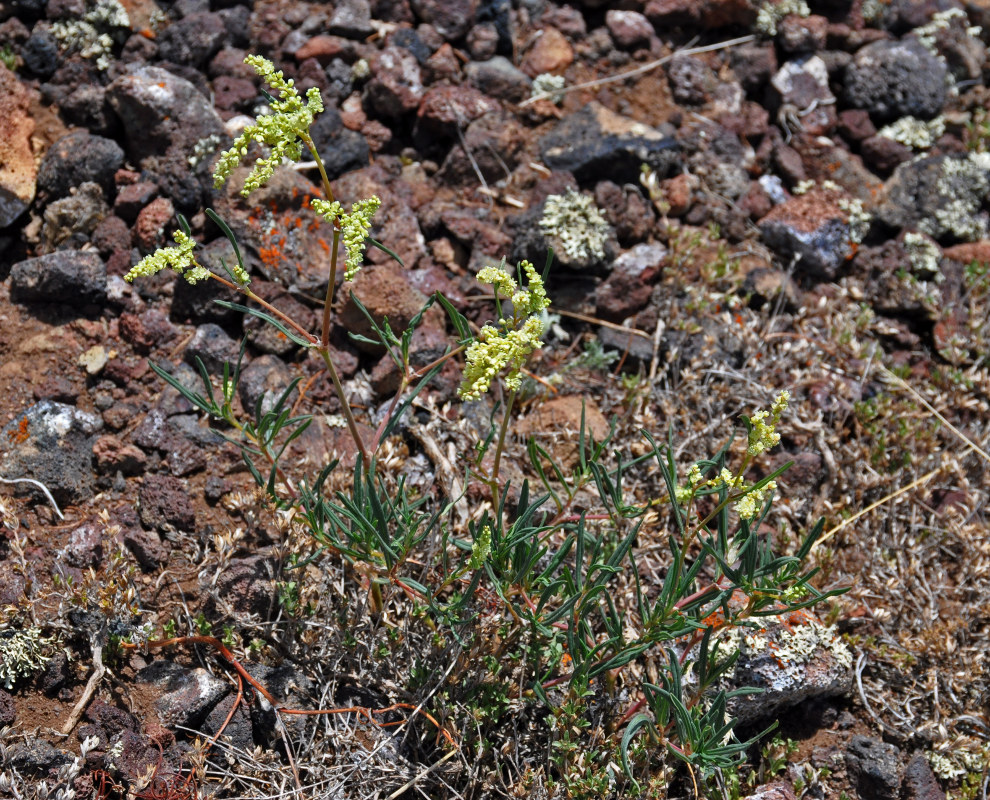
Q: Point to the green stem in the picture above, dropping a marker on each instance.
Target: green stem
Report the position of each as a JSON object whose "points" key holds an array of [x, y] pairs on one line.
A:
{"points": [[306, 140], [267, 306], [345, 407], [328, 302], [501, 439]]}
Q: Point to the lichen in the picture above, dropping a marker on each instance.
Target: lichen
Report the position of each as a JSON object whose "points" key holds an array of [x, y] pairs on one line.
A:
{"points": [[963, 184], [771, 14], [575, 221], [547, 84], [22, 653], [913, 132], [92, 36], [923, 254]]}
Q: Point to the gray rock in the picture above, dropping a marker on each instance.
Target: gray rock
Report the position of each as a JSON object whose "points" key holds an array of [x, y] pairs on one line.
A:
{"points": [[238, 731], [803, 82], [76, 158], [596, 143], [53, 443], [193, 40], [160, 111], [246, 586], [291, 688], [351, 18], [8, 712], [188, 694], [451, 18], [211, 345], [40, 53], [265, 377], [874, 768], [499, 78], [85, 548], [341, 149], [68, 276], [893, 79], [396, 86], [37, 757]]}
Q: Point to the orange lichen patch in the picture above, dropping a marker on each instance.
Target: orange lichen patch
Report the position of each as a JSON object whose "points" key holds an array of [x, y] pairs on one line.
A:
{"points": [[20, 434]]}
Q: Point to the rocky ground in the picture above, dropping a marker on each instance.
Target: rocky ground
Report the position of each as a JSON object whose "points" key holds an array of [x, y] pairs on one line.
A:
{"points": [[741, 198]]}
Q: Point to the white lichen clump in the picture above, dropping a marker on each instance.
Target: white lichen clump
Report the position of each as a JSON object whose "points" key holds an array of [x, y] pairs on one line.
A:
{"points": [[913, 132], [771, 14], [857, 217], [92, 36], [964, 183], [22, 653], [575, 221], [549, 85], [941, 21], [923, 254]]}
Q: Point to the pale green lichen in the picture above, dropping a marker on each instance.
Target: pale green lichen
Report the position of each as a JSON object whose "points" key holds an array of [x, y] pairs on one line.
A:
{"points": [[508, 345], [354, 227], [923, 254], [92, 35], [963, 184], [857, 218], [283, 131], [913, 132], [770, 14], [575, 221], [203, 149], [22, 654], [549, 86]]}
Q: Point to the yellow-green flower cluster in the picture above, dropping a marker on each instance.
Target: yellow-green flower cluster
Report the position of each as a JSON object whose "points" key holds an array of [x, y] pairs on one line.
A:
{"points": [[281, 130], [481, 548], [180, 259], [354, 227], [762, 435], [508, 345], [749, 505]]}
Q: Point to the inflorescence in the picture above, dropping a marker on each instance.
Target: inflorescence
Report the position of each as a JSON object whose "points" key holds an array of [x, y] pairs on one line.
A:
{"points": [[509, 344], [283, 131]]}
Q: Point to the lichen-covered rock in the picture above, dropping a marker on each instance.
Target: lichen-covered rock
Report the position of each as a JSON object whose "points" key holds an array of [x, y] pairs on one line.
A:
{"points": [[892, 79], [53, 443], [791, 660], [940, 195], [499, 77], [187, 694]]}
